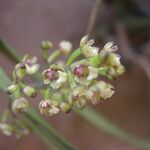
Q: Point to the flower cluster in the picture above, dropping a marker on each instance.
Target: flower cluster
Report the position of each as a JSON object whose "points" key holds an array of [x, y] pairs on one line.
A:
{"points": [[81, 79], [64, 86]]}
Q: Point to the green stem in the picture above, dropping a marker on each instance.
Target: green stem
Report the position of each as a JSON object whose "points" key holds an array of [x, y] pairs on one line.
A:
{"points": [[53, 56], [47, 93], [10, 52], [5, 115], [97, 120], [73, 56]]}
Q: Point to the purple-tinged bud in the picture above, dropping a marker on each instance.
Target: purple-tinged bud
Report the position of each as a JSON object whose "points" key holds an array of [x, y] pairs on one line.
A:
{"points": [[84, 73], [55, 76], [48, 107], [81, 70]]}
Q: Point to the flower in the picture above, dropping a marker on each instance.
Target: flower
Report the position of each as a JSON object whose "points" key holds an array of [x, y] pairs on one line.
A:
{"points": [[6, 129], [110, 47], [45, 45], [65, 107], [108, 58], [30, 91], [65, 47], [48, 107], [20, 104], [20, 71], [55, 76], [86, 47], [99, 92], [12, 88], [84, 72], [78, 96], [30, 64]]}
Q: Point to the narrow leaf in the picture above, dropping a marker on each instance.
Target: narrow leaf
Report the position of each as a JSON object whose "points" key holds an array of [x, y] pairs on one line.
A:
{"points": [[73, 56]]}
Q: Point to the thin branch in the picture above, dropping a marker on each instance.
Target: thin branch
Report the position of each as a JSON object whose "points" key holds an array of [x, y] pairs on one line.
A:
{"points": [[93, 16]]}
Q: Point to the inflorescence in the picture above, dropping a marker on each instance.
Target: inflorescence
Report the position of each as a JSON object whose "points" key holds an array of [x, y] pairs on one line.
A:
{"points": [[65, 85]]}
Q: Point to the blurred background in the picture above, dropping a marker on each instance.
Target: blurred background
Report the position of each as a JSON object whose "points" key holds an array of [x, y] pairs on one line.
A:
{"points": [[25, 23]]}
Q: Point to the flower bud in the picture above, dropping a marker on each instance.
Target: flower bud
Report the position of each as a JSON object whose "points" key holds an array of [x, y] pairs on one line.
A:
{"points": [[6, 129], [81, 103], [46, 45], [20, 104], [89, 51], [54, 110], [65, 107], [99, 92], [20, 71], [113, 60], [48, 107], [120, 70], [44, 106], [110, 47], [83, 40], [30, 64], [30, 91], [55, 76], [86, 47], [77, 96], [84, 72], [12, 88], [111, 73], [65, 47]]}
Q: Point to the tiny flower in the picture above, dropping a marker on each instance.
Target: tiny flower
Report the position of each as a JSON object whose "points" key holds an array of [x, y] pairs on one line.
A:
{"points": [[78, 96], [12, 88], [20, 71], [54, 110], [99, 92], [107, 54], [110, 47], [93, 73], [84, 40], [30, 91], [20, 104], [6, 129], [65, 107], [65, 47], [45, 45], [48, 107], [87, 49], [44, 106], [113, 72], [120, 70], [55, 76], [30, 64], [113, 60], [84, 72]]}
